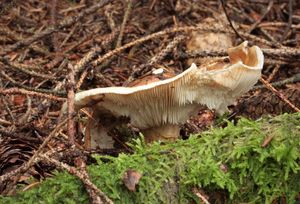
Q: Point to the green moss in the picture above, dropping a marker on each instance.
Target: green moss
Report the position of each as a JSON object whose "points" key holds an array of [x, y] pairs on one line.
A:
{"points": [[253, 174]]}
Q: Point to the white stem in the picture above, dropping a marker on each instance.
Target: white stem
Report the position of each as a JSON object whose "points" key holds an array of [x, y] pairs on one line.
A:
{"points": [[163, 133]]}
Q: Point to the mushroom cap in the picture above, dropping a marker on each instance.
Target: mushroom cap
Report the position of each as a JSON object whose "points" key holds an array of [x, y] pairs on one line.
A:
{"points": [[173, 100], [156, 75]]}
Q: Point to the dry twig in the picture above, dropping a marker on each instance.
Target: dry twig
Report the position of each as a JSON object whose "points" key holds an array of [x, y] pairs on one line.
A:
{"points": [[83, 178], [125, 19], [22, 169], [11, 91], [293, 79], [271, 2], [86, 59], [30, 88], [186, 29], [70, 102], [94, 195], [81, 65], [200, 196], [283, 53], [65, 23], [280, 95], [286, 32], [153, 36], [156, 59], [230, 23], [20, 67], [274, 72]]}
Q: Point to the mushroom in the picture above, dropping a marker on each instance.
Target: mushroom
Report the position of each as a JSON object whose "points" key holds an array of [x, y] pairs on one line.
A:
{"points": [[158, 108]]}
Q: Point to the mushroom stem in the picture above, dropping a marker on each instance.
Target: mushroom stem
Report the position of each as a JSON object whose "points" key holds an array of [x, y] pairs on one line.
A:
{"points": [[165, 133]]}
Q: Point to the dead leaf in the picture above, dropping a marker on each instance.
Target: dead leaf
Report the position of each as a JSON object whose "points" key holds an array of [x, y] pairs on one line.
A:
{"points": [[224, 168], [131, 178], [19, 100], [267, 141]]}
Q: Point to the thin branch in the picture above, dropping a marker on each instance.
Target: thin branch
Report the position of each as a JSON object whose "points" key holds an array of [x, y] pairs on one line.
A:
{"points": [[270, 5], [86, 59], [125, 19], [200, 53], [283, 52], [8, 110], [182, 29], [81, 165], [200, 196], [153, 36], [260, 40], [83, 178], [4, 122], [22, 169], [280, 95], [15, 36], [120, 37], [82, 77], [82, 64], [53, 13], [70, 102], [30, 88], [274, 72], [11, 91], [163, 53], [65, 23], [156, 59], [293, 79], [288, 54], [286, 32], [12, 173], [20, 67], [228, 19]]}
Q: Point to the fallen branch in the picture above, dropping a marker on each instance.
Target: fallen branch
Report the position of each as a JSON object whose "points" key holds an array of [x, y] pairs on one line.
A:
{"points": [[82, 177], [29, 93], [125, 19], [156, 59], [200, 196], [287, 54], [153, 36], [81, 65], [22, 169], [280, 95], [293, 79], [65, 23], [2, 73], [19, 67], [70, 102]]}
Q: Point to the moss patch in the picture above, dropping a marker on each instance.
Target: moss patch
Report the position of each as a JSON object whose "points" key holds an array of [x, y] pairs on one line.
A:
{"points": [[229, 164]]}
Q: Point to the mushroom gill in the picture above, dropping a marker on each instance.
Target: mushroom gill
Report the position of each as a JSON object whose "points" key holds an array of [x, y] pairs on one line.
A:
{"points": [[159, 107]]}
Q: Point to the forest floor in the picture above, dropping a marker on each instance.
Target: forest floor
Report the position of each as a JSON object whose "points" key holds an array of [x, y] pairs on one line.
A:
{"points": [[51, 49]]}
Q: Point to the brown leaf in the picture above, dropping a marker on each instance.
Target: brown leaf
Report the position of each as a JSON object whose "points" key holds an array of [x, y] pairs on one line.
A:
{"points": [[19, 100], [131, 178], [224, 168], [267, 141], [255, 15]]}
